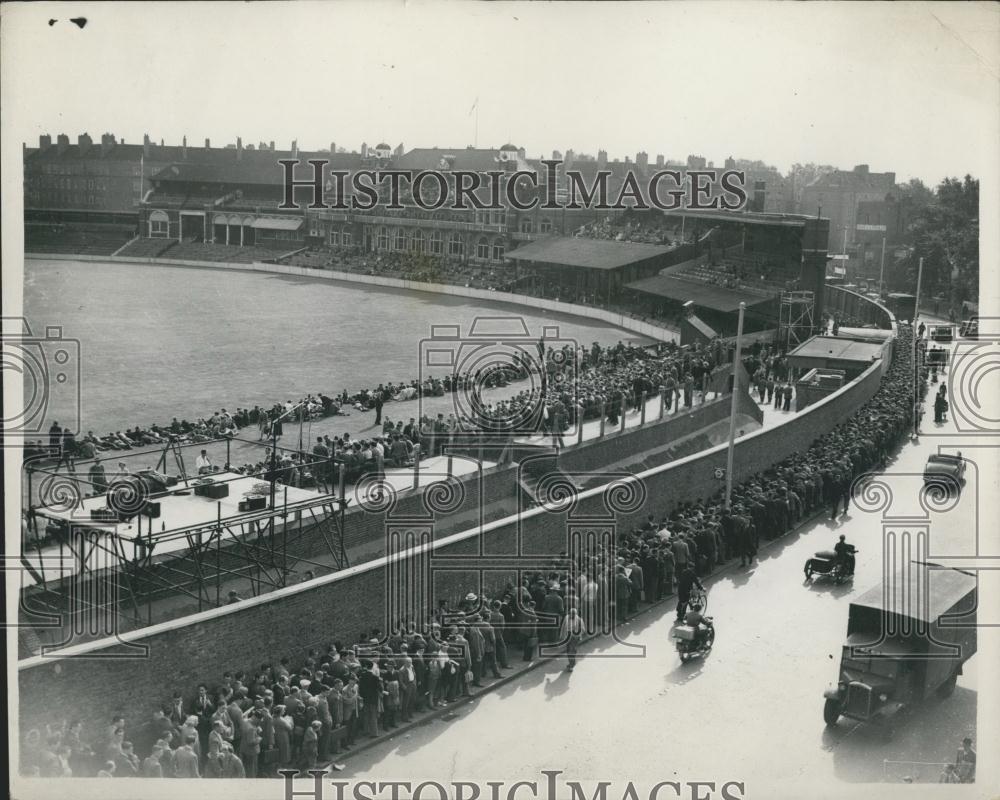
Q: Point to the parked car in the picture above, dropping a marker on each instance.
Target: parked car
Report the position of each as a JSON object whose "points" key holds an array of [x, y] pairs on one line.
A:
{"points": [[943, 333]]}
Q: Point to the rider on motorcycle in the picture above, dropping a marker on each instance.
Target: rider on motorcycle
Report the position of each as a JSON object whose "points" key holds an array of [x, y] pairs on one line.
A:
{"points": [[845, 554], [699, 622]]}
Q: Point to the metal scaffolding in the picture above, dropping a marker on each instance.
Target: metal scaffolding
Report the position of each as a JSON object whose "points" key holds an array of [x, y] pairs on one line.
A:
{"points": [[97, 582], [795, 318]]}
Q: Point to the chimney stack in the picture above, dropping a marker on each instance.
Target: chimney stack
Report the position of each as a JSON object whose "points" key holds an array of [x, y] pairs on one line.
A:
{"points": [[83, 143], [272, 145], [145, 145], [208, 144], [295, 148], [333, 147], [184, 148], [44, 142], [62, 142], [239, 147]]}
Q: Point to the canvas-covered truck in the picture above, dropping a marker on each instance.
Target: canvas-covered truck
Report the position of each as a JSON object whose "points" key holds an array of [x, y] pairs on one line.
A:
{"points": [[906, 640]]}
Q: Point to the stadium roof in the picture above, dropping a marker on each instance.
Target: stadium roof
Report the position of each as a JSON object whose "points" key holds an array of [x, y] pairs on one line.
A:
{"points": [[717, 298], [577, 251], [745, 217], [837, 348]]}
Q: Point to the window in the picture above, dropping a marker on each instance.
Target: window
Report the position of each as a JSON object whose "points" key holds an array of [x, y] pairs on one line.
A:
{"points": [[482, 249], [437, 243], [159, 225], [526, 225], [383, 239], [546, 225], [335, 238], [399, 240], [456, 247], [498, 250], [418, 242], [347, 238]]}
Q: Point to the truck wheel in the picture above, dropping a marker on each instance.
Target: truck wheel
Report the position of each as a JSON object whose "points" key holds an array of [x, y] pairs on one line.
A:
{"points": [[831, 711], [947, 688]]}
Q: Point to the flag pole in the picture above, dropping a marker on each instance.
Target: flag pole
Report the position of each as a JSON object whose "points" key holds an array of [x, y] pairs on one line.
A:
{"points": [[732, 409]]}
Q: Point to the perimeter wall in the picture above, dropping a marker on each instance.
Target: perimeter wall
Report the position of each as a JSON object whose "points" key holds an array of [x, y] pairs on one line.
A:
{"points": [[133, 675]]}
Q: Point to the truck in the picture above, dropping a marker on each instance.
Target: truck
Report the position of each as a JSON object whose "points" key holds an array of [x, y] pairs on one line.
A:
{"points": [[906, 641]]}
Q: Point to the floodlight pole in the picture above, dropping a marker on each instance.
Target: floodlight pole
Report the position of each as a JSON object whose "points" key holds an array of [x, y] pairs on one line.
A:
{"points": [[733, 407]]}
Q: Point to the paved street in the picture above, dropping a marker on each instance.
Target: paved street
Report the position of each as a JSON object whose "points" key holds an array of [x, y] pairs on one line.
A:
{"points": [[759, 692]]}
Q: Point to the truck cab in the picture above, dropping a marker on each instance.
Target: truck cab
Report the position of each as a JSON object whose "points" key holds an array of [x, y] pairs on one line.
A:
{"points": [[891, 661]]}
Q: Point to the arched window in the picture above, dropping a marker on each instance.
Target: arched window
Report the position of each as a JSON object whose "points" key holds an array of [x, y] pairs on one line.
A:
{"points": [[526, 225], [399, 240], [456, 246], [482, 249], [383, 238], [159, 225], [437, 243], [498, 250]]}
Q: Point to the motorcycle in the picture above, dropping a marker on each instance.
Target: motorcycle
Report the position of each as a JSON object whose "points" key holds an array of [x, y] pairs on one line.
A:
{"points": [[693, 641], [826, 563]]}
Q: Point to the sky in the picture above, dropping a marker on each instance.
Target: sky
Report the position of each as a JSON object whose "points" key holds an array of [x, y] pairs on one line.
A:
{"points": [[909, 88]]}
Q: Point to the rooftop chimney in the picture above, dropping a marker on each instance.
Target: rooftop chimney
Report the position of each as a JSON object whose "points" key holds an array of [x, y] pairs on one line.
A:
{"points": [[333, 147], [295, 148], [145, 145], [239, 147], [861, 169], [83, 142], [208, 144], [44, 142], [62, 142], [184, 148], [107, 140]]}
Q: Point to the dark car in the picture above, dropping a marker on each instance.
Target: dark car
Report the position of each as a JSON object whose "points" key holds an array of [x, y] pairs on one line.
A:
{"points": [[943, 333], [970, 328], [946, 470]]}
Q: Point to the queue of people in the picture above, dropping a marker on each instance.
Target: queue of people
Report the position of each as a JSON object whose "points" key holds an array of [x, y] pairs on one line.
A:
{"points": [[280, 714]]}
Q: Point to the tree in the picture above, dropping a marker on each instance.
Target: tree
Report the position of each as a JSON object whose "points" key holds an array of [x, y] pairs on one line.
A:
{"points": [[945, 233]]}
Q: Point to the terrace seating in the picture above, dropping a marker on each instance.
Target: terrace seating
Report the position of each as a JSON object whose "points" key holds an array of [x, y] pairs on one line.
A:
{"points": [[148, 248], [81, 239]]}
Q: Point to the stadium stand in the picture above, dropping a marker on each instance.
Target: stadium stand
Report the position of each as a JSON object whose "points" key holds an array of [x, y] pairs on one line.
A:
{"points": [[89, 239]]}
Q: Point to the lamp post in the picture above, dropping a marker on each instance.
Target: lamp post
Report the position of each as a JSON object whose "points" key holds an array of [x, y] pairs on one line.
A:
{"points": [[916, 366], [733, 407]]}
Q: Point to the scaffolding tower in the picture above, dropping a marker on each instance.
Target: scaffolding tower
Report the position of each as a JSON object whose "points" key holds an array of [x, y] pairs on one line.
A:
{"points": [[795, 318]]}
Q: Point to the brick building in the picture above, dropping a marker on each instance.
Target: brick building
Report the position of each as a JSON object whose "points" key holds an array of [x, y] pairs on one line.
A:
{"points": [[839, 194]]}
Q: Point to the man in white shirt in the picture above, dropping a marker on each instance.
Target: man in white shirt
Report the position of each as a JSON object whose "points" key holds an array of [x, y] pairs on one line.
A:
{"points": [[202, 463]]}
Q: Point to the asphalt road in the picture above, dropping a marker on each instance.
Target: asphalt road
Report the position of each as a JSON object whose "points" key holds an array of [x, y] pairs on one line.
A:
{"points": [[751, 711]]}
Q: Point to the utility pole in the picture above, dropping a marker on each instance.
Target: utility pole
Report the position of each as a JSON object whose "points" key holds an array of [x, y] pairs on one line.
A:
{"points": [[732, 409]]}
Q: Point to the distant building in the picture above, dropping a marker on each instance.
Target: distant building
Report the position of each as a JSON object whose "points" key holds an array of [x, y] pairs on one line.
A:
{"points": [[90, 180], [839, 194]]}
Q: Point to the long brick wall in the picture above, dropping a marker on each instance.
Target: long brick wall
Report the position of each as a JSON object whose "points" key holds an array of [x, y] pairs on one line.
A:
{"points": [[341, 605]]}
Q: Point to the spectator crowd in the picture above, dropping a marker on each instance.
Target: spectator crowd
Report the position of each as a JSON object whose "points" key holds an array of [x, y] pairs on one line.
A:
{"points": [[300, 710]]}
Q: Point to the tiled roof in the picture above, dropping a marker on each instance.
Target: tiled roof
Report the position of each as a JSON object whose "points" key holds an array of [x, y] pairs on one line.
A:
{"points": [[256, 166]]}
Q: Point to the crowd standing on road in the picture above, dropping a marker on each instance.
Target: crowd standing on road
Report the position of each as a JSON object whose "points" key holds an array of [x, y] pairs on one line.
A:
{"points": [[301, 712]]}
